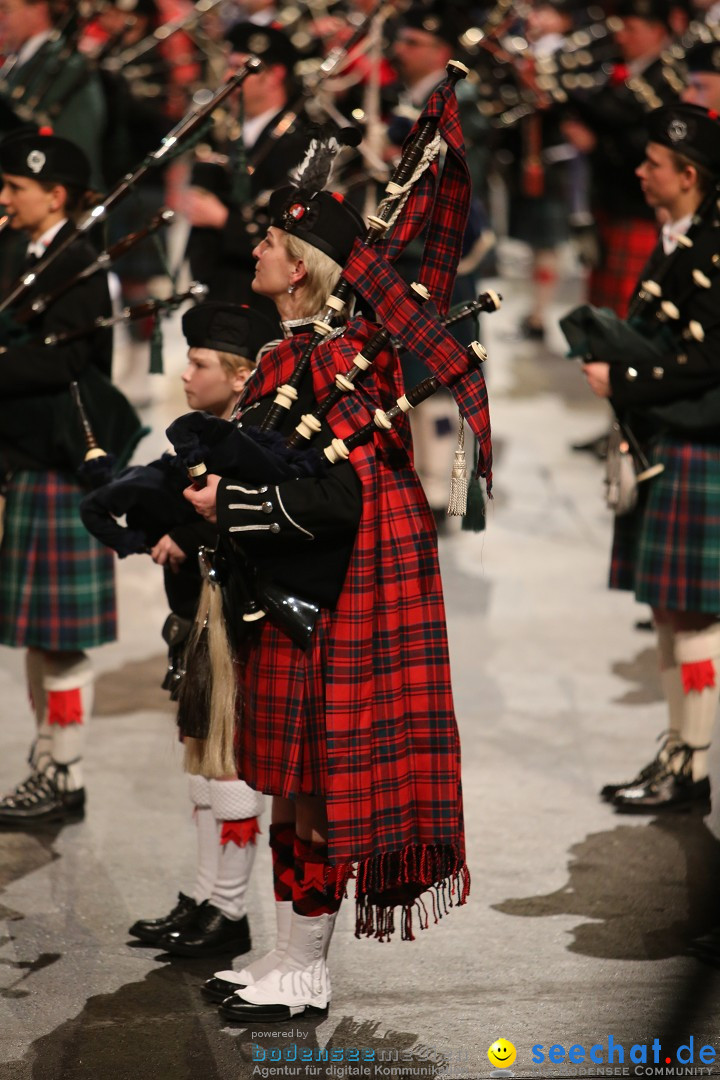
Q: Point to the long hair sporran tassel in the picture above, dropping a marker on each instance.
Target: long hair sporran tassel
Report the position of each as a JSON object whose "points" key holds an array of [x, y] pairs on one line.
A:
{"points": [[457, 506], [219, 759], [209, 691], [194, 693]]}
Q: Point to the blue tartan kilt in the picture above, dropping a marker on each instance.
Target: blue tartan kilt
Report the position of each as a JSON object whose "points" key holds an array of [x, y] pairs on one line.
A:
{"points": [[668, 550], [57, 586]]}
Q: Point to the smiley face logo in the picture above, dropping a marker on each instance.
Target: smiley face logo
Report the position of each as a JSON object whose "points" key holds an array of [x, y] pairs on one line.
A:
{"points": [[502, 1054]]}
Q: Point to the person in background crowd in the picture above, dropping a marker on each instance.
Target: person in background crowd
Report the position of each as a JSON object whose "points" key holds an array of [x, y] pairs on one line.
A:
{"points": [[703, 64], [609, 126], [57, 594], [224, 220], [51, 79], [666, 550]]}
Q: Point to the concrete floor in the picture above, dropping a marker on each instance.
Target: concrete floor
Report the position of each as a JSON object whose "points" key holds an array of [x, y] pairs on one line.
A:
{"points": [[579, 920]]}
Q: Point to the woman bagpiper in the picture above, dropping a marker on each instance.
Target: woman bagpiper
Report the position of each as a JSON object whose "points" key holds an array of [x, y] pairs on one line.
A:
{"points": [[667, 549], [354, 737], [57, 595]]}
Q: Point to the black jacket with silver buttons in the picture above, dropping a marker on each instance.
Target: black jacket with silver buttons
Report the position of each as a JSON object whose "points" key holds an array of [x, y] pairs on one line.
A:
{"points": [[689, 306], [300, 533]]}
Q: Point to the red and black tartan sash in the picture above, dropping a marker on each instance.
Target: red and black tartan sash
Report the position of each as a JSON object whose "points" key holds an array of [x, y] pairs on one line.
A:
{"points": [[380, 284], [438, 205], [393, 855]]}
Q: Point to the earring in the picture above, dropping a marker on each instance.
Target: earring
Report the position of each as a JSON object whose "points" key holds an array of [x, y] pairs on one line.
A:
{"points": [[291, 289]]}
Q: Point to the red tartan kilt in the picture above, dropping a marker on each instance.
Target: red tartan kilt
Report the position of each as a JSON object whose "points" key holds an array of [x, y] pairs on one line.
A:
{"points": [[281, 741], [625, 246]]}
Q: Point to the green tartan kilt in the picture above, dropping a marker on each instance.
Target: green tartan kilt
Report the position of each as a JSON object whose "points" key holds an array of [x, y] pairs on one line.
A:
{"points": [[57, 585], [668, 550]]}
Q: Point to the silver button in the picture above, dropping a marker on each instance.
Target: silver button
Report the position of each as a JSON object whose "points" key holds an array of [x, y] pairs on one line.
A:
{"points": [[631, 374], [267, 508], [274, 528], [658, 372], [682, 358]]}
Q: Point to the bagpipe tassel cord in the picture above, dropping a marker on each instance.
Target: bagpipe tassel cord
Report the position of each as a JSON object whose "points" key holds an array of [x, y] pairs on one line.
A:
{"points": [[401, 195], [457, 506]]}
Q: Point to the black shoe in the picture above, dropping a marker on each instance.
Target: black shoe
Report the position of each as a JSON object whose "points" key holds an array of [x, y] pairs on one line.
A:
{"points": [[531, 331], [38, 802], [597, 447], [217, 990], [182, 917], [667, 790], [238, 1011], [212, 933], [650, 771]]}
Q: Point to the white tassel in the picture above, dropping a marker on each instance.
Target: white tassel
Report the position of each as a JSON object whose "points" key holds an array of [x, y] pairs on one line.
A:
{"points": [[457, 506]]}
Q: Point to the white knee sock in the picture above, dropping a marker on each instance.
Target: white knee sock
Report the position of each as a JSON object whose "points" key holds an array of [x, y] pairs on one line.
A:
{"points": [[69, 685], [40, 752], [698, 653], [208, 838], [237, 806], [672, 688]]}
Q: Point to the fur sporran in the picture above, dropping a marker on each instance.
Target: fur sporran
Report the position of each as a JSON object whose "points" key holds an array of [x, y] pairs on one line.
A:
{"points": [[621, 481]]}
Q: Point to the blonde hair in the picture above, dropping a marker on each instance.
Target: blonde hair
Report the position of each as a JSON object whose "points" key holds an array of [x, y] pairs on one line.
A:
{"points": [[323, 272], [232, 363]]}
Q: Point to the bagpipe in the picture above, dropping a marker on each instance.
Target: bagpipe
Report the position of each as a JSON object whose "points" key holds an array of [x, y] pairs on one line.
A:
{"points": [[175, 141], [206, 444], [104, 260], [130, 55]]}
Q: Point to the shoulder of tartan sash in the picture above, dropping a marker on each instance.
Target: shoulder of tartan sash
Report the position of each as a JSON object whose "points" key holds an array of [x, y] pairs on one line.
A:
{"points": [[378, 388], [274, 369], [442, 204], [377, 282]]}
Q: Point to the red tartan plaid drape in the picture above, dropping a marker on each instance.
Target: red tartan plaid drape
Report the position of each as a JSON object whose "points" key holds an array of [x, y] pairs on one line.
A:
{"points": [[394, 791]]}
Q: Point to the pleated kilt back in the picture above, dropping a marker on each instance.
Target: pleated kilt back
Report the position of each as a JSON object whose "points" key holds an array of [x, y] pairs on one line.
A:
{"points": [[57, 588], [281, 738], [668, 550]]}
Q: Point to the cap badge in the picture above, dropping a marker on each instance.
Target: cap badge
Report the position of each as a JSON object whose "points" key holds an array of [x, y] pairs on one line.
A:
{"points": [[258, 43], [294, 213], [677, 130], [431, 24], [36, 160]]}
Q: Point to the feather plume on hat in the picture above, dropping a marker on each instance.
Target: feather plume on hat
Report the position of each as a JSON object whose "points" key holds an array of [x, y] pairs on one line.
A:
{"points": [[327, 140]]}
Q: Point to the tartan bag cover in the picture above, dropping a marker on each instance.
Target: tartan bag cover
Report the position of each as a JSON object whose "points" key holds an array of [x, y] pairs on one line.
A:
{"points": [[446, 202], [393, 790]]}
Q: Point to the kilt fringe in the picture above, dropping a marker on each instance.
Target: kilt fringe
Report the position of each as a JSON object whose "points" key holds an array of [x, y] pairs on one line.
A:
{"points": [[401, 879]]}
